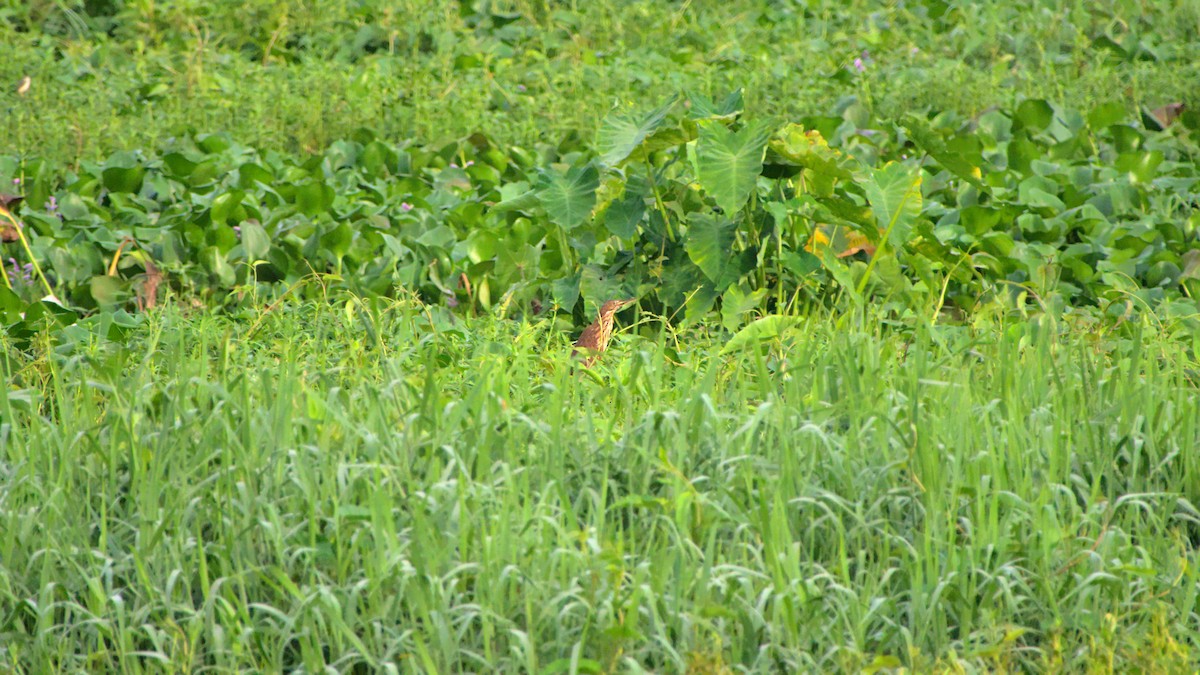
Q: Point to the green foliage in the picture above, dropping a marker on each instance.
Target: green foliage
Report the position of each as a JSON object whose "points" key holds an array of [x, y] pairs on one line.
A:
{"points": [[728, 163], [214, 492], [1061, 213]]}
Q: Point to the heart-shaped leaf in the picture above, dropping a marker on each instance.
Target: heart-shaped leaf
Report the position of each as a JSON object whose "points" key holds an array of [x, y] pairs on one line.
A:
{"points": [[621, 133], [894, 192], [710, 245], [568, 198], [729, 162]]}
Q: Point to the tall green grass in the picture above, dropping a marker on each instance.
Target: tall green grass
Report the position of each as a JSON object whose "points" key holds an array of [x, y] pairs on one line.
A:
{"points": [[380, 488]]}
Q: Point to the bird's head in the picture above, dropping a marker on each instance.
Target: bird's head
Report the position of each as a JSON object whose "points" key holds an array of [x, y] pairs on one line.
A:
{"points": [[613, 306]]}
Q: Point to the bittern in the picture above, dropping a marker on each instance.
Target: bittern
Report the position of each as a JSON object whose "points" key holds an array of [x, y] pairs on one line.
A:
{"points": [[594, 339]]}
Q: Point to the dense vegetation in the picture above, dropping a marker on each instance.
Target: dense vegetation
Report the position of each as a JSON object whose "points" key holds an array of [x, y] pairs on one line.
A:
{"points": [[911, 381]]}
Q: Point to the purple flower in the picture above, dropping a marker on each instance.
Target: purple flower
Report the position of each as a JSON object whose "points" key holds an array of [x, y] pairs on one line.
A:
{"points": [[406, 207], [16, 181], [52, 204], [469, 163], [914, 51], [453, 165], [859, 65], [237, 229], [521, 88], [20, 273]]}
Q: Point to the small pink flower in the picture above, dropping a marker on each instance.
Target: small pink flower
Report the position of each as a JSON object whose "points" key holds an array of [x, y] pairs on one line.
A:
{"points": [[469, 163], [16, 181], [859, 65], [406, 207]]}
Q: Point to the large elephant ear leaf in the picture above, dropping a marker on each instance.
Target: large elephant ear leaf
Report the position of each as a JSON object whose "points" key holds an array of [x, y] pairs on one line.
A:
{"points": [[621, 133], [729, 162], [894, 193], [569, 197], [710, 245]]}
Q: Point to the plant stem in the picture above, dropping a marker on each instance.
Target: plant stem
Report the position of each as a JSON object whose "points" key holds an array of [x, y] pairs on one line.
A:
{"points": [[25, 244]]}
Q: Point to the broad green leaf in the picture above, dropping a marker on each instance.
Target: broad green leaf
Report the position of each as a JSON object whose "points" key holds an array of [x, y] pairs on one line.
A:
{"points": [[313, 198], [255, 241], [624, 214], [1039, 192], [522, 202], [735, 303], [569, 198], [621, 133], [11, 306], [807, 148], [710, 247], [566, 291], [766, 328], [964, 164], [1034, 113], [117, 179], [224, 204], [108, 291], [705, 108], [338, 240], [123, 173], [729, 162], [894, 193], [214, 261], [598, 285]]}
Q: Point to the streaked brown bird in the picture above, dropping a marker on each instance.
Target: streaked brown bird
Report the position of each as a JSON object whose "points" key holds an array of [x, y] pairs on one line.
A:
{"points": [[594, 340]]}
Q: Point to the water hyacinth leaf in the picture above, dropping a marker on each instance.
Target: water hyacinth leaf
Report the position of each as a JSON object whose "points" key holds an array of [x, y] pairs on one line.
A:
{"points": [[314, 198], [107, 291], [766, 328], [179, 165], [122, 173], [224, 204], [11, 306], [214, 261], [729, 162], [1034, 114], [568, 198], [255, 241], [709, 246], [118, 179], [337, 241], [894, 193], [621, 133]]}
